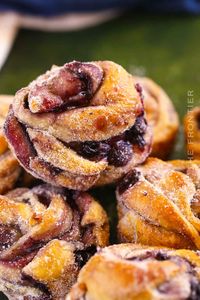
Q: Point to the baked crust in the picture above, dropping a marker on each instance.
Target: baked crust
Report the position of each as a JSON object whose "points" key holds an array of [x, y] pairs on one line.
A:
{"points": [[192, 133], [46, 236], [161, 116], [11, 173], [159, 204], [80, 125], [135, 272]]}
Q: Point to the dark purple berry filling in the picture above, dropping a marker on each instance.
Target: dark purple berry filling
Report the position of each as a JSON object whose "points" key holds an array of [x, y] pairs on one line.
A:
{"points": [[128, 181], [118, 150], [31, 281], [94, 150], [82, 256], [168, 286], [72, 85], [139, 90], [158, 255], [135, 135], [161, 256], [8, 235], [195, 290], [120, 154]]}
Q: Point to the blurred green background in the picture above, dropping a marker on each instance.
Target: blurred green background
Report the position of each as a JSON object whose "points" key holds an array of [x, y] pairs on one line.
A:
{"points": [[165, 48]]}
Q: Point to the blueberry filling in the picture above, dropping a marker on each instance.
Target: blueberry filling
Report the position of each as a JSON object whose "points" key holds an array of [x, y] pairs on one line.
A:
{"points": [[72, 85], [19, 139], [91, 150], [44, 193], [118, 150], [135, 135], [120, 154], [76, 233], [173, 288], [160, 256], [128, 181], [46, 295], [89, 73], [8, 235], [195, 289], [26, 104], [82, 256], [169, 286], [42, 297]]}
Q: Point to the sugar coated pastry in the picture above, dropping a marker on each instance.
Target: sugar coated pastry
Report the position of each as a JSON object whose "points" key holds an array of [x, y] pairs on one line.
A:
{"points": [[134, 272], [79, 125], [159, 204], [46, 236], [161, 116], [11, 174], [192, 133]]}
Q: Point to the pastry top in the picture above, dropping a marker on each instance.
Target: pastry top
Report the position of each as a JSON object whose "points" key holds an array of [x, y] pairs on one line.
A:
{"points": [[159, 204], [192, 133], [47, 234], [128, 271], [11, 174], [91, 101], [10, 170], [161, 116], [82, 124], [155, 170]]}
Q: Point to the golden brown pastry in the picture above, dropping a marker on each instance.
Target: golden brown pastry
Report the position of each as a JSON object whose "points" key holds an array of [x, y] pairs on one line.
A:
{"points": [[159, 204], [9, 167], [79, 125], [161, 116], [46, 235], [192, 133], [11, 173], [134, 272]]}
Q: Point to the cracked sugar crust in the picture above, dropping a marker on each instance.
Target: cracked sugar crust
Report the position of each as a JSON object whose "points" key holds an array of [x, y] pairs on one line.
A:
{"points": [[158, 204], [11, 174], [129, 271], [81, 125], [46, 235]]}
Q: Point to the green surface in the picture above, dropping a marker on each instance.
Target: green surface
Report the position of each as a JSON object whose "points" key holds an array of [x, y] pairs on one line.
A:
{"points": [[167, 49]]}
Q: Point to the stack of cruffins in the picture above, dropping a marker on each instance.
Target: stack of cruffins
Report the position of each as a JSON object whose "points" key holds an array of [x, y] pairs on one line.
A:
{"points": [[85, 125]]}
